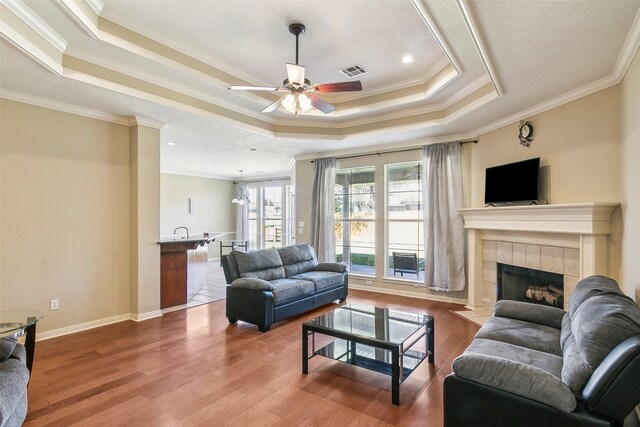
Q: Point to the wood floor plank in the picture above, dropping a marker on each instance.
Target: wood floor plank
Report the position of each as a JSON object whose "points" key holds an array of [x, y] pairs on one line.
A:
{"points": [[191, 367]]}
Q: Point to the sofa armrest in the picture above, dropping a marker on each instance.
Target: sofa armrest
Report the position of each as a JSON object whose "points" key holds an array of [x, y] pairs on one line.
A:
{"points": [[252, 283], [335, 267], [514, 377], [534, 313]]}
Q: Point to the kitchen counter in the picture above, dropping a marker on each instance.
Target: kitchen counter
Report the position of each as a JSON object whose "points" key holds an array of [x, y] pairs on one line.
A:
{"points": [[183, 267]]}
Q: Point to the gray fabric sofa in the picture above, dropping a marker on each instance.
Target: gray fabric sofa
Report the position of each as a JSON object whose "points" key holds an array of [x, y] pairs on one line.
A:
{"points": [[270, 285], [533, 365], [14, 378]]}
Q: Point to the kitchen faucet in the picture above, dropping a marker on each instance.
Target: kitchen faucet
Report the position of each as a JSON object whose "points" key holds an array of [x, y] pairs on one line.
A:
{"points": [[178, 228]]}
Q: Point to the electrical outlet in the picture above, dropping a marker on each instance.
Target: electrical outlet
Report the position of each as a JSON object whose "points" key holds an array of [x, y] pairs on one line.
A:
{"points": [[55, 304], [369, 282]]}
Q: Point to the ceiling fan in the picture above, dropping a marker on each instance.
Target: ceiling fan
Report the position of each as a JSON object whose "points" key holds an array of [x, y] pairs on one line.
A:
{"points": [[299, 93]]}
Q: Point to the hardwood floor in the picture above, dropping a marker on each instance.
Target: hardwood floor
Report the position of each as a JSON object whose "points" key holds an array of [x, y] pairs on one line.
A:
{"points": [[191, 367]]}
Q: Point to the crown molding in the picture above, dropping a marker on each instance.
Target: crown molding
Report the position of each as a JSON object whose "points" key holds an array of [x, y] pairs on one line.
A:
{"points": [[96, 5], [477, 41], [22, 11], [422, 11], [142, 121], [628, 52], [387, 148], [195, 174], [65, 108], [565, 98]]}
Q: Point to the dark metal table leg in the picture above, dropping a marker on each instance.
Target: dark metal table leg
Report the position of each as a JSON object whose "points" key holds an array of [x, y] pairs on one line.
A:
{"points": [[395, 376], [30, 344], [431, 331], [305, 351]]}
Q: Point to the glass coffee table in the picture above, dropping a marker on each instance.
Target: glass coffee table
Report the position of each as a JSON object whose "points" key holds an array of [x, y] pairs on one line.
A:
{"points": [[16, 323], [383, 340]]}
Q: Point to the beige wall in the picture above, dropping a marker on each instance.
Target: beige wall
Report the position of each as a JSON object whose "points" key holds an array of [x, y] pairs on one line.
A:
{"points": [[65, 215], [630, 177], [578, 144], [214, 212]]}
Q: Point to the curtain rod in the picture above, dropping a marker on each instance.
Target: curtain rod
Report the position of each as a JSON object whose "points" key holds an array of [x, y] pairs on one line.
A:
{"points": [[475, 141], [261, 180]]}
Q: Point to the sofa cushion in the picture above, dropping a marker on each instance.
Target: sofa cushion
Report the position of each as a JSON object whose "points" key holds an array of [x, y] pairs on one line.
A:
{"points": [[535, 313], [336, 267], [284, 289], [264, 264], [528, 373], [600, 323], [252, 283], [523, 334], [298, 259], [591, 286], [7, 344], [565, 331], [321, 279], [14, 377]]}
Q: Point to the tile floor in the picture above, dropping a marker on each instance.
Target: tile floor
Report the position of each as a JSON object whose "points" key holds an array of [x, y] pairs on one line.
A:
{"points": [[214, 290]]}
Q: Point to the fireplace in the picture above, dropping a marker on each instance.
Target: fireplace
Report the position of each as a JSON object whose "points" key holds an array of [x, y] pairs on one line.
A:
{"points": [[530, 285]]}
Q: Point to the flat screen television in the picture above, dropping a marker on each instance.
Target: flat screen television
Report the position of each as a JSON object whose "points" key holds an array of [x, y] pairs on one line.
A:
{"points": [[513, 182]]}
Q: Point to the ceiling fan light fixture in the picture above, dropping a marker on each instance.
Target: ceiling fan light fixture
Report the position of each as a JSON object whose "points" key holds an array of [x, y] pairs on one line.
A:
{"points": [[289, 104], [304, 102]]}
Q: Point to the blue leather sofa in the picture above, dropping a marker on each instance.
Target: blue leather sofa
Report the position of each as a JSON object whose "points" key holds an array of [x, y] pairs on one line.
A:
{"points": [[269, 285]]}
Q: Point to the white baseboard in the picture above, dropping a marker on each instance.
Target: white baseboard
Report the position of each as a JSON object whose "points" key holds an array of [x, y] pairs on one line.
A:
{"points": [[410, 294], [145, 316], [41, 336]]}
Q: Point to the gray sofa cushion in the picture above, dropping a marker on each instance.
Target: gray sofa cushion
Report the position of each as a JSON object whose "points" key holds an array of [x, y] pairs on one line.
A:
{"points": [[523, 334], [600, 323], [298, 259], [591, 286], [321, 279], [529, 373], [14, 377], [251, 283], [264, 264], [331, 266], [284, 289], [540, 314], [7, 344]]}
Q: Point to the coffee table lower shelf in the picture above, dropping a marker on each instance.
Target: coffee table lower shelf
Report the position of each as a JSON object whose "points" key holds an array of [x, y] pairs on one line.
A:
{"points": [[340, 350]]}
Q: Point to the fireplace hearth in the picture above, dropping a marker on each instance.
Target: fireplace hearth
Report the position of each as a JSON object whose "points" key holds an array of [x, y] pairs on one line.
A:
{"points": [[529, 285]]}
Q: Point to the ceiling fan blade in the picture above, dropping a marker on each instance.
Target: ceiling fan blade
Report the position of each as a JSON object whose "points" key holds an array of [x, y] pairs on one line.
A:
{"points": [[295, 74], [339, 87], [321, 105], [273, 107], [265, 88]]}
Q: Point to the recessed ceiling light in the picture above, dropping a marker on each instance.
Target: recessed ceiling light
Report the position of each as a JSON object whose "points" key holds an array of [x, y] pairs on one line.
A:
{"points": [[407, 59], [171, 143]]}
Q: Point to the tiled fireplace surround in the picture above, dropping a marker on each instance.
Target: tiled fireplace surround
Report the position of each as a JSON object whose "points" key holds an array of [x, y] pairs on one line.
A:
{"points": [[564, 239]]}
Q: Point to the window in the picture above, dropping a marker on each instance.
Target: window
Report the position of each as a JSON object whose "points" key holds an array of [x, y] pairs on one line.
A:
{"points": [[355, 219], [269, 215], [405, 229]]}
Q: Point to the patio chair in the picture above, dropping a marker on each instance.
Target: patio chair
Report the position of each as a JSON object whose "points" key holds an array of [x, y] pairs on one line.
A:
{"points": [[404, 262]]}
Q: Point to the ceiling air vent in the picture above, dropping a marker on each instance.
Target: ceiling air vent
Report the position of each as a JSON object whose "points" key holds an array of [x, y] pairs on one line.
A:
{"points": [[353, 71]]}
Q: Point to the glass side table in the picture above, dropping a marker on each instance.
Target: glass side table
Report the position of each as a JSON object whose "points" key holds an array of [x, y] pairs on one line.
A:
{"points": [[16, 323]]}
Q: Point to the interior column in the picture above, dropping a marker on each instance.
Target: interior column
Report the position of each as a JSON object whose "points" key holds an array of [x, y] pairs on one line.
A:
{"points": [[145, 218]]}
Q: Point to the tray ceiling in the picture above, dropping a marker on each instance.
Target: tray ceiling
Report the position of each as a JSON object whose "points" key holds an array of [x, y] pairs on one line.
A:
{"points": [[476, 64]]}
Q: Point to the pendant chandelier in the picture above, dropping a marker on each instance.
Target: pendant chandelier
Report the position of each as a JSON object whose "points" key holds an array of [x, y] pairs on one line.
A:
{"points": [[241, 196]]}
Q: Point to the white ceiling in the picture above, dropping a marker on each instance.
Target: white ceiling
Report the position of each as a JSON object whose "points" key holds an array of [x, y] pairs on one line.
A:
{"points": [[478, 65]]}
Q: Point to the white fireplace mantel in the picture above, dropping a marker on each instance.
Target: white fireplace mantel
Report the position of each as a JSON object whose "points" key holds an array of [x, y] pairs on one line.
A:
{"points": [[584, 226]]}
